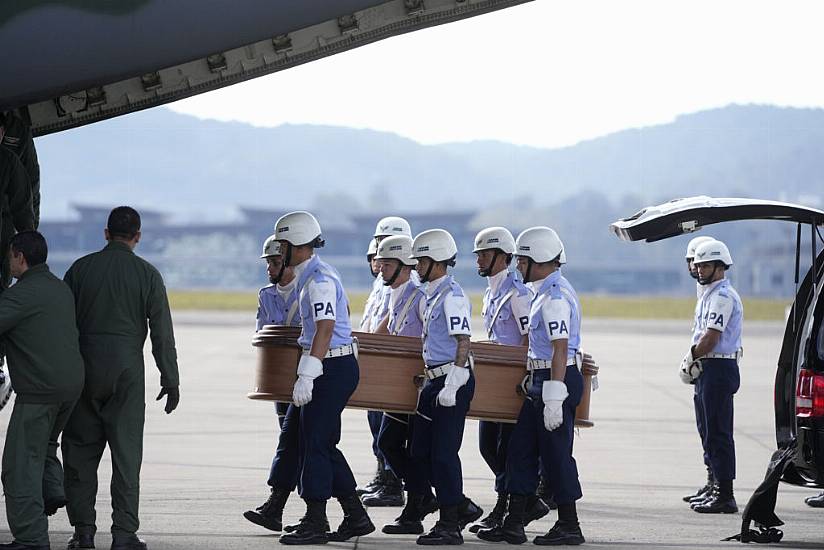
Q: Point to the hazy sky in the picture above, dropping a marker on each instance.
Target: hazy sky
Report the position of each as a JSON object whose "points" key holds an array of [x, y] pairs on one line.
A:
{"points": [[550, 73]]}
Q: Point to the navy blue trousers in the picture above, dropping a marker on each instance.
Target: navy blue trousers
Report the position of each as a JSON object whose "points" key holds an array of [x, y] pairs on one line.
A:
{"points": [[717, 386], [493, 442], [700, 423], [284, 471], [437, 433], [531, 440], [324, 472], [375, 418], [393, 442]]}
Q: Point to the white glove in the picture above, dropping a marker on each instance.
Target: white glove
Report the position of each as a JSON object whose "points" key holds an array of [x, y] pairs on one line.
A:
{"points": [[309, 368], [690, 369], [455, 378], [553, 393]]}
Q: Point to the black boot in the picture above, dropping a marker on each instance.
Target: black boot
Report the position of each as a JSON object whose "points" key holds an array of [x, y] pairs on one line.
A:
{"points": [[270, 513], [409, 522], [376, 482], [709, 495], [389, 494], [83, 537], [723, 502], [468, 512], [313, 527], [512, 528], [703, 491], [128, 541], [563, 533], [447, 530], [356, 522], [495, 517], [536, 508]]}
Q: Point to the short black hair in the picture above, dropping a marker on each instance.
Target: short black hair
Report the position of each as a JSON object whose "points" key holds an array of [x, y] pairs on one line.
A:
{"points": [[124, 223], [32, 245]]}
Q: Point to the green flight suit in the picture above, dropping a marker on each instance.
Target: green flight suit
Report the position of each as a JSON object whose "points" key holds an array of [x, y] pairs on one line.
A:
{"points": [[16, 210], [115, 293], [38, 327]]}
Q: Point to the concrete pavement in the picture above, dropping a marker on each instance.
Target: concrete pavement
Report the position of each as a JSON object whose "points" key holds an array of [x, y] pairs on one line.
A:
{"points": [[207, 463]]}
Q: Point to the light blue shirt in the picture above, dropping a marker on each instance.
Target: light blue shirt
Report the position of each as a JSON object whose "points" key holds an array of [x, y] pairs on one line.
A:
{"points": [[322, 297], [720, 309], [555, 314], [446, 315], [274, 310], [412, 323], [508, 323]]}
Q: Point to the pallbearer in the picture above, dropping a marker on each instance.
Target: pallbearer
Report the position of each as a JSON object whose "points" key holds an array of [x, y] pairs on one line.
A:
{"points": [[278, 305], [506, 320], [406, 305], [385, 488], [554, 384], [447, 391], [327, 377]]}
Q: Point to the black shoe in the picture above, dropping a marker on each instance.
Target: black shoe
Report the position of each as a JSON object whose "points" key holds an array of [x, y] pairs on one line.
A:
{"points": [[83, 537], [468, 512], [536, 508], [18, 546], [700, 493], [292, 527], [356, 522], [495, 517], [709, 495], [388, 495], [816, 502], [719, 504], [128, 542], [410, 521], [313, 527], [447, 530], [561, 534], [377, 482], [270, 514], [52, 506], [511, 529]]}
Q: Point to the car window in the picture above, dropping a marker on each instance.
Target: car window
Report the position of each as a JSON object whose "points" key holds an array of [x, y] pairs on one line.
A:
{"points": [[819, 345]]}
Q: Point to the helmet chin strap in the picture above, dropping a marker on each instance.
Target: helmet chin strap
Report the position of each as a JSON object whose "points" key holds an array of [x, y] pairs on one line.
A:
{"points": [[287, 260], [484, 272], [529, 264], [425, 276], [394, 276]]}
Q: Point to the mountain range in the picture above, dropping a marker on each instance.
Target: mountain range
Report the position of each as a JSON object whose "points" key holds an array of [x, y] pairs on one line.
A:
{"points": [[202, 170]]}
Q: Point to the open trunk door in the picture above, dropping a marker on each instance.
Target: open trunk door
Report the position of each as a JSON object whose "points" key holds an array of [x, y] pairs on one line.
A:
{"points": [[679, 216]]}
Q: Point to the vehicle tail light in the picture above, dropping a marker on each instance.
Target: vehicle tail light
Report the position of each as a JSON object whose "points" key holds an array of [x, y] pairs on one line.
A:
{"points": [[809, 394]]}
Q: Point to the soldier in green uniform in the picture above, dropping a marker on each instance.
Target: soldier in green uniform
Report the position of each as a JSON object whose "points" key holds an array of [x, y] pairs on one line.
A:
{"points": [[16, 210], [37, 324], [17, 138], [115, 293]]}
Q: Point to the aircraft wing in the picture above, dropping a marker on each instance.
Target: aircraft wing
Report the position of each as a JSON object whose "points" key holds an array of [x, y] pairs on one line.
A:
{"points": [[66, 63]]}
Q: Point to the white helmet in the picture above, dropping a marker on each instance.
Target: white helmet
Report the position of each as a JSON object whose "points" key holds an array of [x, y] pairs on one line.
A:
{"points": [[271, 247], [693, 244], [396, 247], [437, 244], [495, 237], [299, 228], [372, 249], [392, 225], [712, 251], [542, 244]]}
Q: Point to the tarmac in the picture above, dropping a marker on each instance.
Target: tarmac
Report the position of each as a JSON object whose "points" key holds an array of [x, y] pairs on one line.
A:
{"points": [[207, 463]]}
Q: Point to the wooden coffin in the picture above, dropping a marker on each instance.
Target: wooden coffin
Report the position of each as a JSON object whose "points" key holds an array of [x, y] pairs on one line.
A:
{"points": [[389, 369]]}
